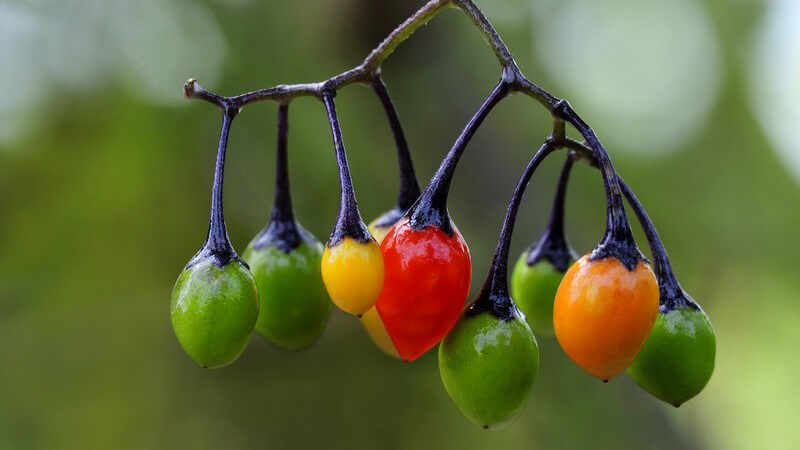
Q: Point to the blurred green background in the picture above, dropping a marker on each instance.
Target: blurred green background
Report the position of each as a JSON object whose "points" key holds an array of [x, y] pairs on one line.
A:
{"points": [[105, 178]]}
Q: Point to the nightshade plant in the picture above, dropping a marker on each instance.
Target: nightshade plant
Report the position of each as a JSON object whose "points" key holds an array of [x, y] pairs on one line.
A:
{"points": [[407, 275]]}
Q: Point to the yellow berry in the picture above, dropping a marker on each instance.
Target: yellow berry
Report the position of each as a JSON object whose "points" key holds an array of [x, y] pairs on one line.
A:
{"points": [[353, 274]]}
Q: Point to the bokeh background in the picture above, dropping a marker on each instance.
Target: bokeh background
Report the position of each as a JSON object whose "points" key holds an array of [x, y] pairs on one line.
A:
{"points": [[105, 176]]}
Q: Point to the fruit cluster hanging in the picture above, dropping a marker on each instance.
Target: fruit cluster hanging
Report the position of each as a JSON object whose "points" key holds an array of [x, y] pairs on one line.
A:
{"points": [[407, 274]]}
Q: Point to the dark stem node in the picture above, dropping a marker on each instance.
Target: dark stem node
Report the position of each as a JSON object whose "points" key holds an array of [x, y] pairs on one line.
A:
{"points": [[618, 241]]}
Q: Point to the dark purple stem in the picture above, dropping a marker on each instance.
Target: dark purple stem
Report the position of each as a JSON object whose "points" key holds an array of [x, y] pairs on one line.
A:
{"points": [[552, 245], [672, 295], [409, 187], [431, 208], [494, 294], [218, 244], [282, 204], [618, 240], [282, 230], [349, 222]]}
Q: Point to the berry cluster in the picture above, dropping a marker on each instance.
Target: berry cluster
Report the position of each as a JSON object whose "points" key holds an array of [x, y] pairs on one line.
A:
{"points": [[407, 274]]}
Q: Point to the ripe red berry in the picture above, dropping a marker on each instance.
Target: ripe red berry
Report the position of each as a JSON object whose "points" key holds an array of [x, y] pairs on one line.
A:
{"points": [[428, 274]]}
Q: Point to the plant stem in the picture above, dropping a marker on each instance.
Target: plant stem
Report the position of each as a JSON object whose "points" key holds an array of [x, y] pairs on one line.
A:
{"points": [[349, 222], [556, 222], [671, 293], [218, 240], [282, 230], [217, 244], [494, 294], [399, 35], [618, 240], [431, 209], [552, 245], [282, 204], [358, 74], [409, 187]]}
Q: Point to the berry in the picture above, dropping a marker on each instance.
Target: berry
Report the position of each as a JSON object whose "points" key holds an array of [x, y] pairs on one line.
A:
{"points": [[213, 311], [488, 366], [534, 290], [677, 360], [372, 323], [294, 304], [285, 261], [604, 312], [427, 281], [353, 274], [214, 305]]}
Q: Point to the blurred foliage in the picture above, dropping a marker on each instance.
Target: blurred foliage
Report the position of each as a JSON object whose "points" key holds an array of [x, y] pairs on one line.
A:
{"points": [[106, 197]]}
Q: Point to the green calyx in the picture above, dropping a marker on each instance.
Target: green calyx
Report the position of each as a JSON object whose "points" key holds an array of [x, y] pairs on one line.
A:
{"points": [[488, 367], [213, 311], [677, 360], [533, 289], [294, 303]]}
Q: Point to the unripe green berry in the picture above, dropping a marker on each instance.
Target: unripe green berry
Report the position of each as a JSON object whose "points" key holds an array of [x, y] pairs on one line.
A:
{"points": [[294, 304], [533, 289], [488, 366], [677, 360], [214, 310]]}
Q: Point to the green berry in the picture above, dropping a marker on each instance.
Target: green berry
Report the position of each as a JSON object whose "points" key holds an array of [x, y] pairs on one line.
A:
{"points": [[488, 366], [677, 360], [534, 291], [213, 310], [294, 303]]}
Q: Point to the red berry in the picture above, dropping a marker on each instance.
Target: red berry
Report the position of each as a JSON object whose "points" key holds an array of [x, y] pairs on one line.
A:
{"points": [[426, 284]]}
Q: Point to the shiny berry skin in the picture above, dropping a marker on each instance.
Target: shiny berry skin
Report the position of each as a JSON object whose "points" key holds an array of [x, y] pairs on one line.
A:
{"points": [[677, 360], [373, 325], [603, 313], [533, 289], [371, 320], [488, 366], [294, 304], [426, 285], [353, 274], [214, 310]]}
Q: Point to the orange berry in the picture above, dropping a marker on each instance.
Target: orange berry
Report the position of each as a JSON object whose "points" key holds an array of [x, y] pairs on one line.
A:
{"points": [[603, 314]]}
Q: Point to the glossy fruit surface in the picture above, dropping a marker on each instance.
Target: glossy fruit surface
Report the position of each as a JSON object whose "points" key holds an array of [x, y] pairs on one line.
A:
{"points": [[533, 289], [371, 320], [488, 367], [427, 282], [353, 274], [294, 303], [677, 360], [372, 323], [213, 311], [603, 314]]}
